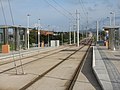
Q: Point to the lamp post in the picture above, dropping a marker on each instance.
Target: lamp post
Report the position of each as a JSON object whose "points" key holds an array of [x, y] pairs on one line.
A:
{"points": [[110, 20], [97, 30], [38, 33], [113, 17], [28, 19]]}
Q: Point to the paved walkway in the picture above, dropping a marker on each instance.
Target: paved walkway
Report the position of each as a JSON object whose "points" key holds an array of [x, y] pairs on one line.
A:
{"points": [[106, 66]]}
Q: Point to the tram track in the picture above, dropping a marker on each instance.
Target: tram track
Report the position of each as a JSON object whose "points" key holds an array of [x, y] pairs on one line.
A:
{"points": [[39, 75], [77, 71], [43, 74], [49, 70], [79, 68], [34, 55], [23, 59]]}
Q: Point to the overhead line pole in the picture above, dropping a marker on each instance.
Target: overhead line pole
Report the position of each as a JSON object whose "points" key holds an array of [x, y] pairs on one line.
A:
{"points": [[87, 25], [70, 33], [74, 33], [78, 28]]}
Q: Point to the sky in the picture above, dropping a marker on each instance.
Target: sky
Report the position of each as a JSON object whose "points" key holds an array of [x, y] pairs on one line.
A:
{"points": [[59, 13]]}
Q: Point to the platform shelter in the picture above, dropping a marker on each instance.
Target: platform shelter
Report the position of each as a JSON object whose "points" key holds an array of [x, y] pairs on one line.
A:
{"points": [[112, 37], [14, 36]]}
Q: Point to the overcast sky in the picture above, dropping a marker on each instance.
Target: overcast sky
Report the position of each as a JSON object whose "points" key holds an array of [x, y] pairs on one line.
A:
{"points": [[57, 16]]}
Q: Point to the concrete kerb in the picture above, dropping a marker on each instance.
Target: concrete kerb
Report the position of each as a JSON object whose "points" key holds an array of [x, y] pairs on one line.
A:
{"points": [[103, 78], [93, 65]]}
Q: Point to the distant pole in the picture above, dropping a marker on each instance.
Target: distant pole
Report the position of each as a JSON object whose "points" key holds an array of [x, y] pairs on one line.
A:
{"points": [[62, 37], [114, 18], [82, 32], [110, 20], [78, 18], [97, 31], [48, 40], [39, 32], [28, 17], [74, 33], [48, 35], [87, 25], [70, 34]]}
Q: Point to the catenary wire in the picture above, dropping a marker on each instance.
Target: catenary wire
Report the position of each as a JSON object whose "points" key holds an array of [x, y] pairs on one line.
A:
{"points": [[64, 9], [56, 9], [11, 12], [3, 12]]}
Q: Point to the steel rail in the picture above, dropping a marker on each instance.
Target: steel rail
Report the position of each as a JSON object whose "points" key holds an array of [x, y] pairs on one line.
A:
{"points": [[43, 74]]}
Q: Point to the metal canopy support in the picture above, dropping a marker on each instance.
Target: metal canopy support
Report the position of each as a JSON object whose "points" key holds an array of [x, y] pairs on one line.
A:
{"points": [[17, 39], [25, 38], [111, 39], [5, 32]]}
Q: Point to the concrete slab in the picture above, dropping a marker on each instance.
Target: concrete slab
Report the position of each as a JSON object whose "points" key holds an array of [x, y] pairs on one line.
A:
{"points": [[111, 67], [49, 83], [55, 80], [86, 79], [14, 82], [100, 71]]}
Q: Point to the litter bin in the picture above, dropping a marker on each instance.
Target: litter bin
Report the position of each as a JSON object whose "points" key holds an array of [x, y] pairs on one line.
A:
{"points": [[5, 48]]}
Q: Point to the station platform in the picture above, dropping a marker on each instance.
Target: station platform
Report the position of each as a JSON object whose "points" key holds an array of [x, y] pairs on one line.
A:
{"points": [[106, 66]]}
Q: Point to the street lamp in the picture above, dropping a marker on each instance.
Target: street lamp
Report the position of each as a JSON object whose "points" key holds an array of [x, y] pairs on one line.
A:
{"points": [[38, 33], [110, 20], [28, 17], [113, 16]]}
